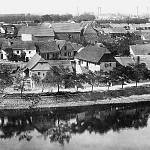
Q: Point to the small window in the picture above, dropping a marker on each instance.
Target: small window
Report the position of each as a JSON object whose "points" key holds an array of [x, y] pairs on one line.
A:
{"points": [[65, 47], [17, 52], [65, 54], [29, 52], [38, 73], [43, 74]]}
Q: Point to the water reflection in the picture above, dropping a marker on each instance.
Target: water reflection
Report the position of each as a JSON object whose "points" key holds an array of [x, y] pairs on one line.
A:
{"points": [[60, 125]]}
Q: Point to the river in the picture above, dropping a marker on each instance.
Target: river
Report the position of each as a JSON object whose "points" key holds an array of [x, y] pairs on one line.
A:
{"points": [[78, 128]]}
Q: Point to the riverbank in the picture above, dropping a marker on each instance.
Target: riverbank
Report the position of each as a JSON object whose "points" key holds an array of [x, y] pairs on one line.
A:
{"points": [[127, 95]]}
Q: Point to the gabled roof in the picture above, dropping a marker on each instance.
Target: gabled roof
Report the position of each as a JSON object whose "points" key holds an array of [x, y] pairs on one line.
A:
{"points": [[141, 49], [39, 30], [21, 45], [76, 46], [46, 47], [60, 43], [33, 61], [125, 61], [66, 27], [92, 53]]}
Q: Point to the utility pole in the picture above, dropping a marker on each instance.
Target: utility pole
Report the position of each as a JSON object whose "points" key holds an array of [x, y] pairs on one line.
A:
{"points": [[99, 11], [77, 11], [137, 11]]}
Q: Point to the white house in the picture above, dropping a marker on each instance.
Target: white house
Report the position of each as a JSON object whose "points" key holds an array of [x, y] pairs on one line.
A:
{"points": [[95, 58], [18, 47]]}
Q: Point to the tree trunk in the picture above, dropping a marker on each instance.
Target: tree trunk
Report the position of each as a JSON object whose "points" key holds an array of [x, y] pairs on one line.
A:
{"points": [[58, 87], [92, 88], [122, 84], [136, 83]]}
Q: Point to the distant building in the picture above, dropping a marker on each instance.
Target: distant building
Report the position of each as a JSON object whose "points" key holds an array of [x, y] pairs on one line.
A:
{"points": [[67, 31], [36, 33]]}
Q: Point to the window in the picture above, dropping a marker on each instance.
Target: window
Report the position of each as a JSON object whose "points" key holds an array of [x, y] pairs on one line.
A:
{"points": [[43, 74], [69, 53], [47, 57], [65, 47], [79, 62], [29, 52], [17, 52], [1, 56], [39, 73], [65, 54]]}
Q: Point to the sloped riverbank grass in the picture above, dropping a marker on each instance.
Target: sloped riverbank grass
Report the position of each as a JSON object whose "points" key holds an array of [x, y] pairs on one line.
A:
{"points": [[67, 99]]}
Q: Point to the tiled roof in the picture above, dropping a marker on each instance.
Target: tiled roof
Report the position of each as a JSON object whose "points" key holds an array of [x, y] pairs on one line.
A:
{"points": [[19, 45], [64, 63], [92, 53], [141, 49], [45, 47], [33, 61], [125, 61], [115, 30], [66, 27], [39, 30], [76, 46]]}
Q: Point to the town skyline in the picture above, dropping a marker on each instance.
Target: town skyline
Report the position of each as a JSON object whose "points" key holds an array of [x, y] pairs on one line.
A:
{"points": [[75, 7]]}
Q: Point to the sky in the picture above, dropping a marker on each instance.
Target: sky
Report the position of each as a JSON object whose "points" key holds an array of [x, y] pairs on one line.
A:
{"points": [[74, 6]]}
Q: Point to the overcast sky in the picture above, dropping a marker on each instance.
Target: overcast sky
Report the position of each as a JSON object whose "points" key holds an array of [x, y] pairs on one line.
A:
{"points": [[74, 6]]}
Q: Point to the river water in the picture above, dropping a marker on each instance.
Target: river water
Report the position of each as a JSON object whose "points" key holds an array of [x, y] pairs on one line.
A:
{"points": [[79, 128]]}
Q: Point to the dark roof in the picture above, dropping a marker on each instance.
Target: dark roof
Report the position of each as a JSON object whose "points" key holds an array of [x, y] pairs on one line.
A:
{"points": [[33, 61], [66, 27], [92, 53], [28, 45], [45, 47], [125, 61], [141, 49], [64, 63], [39, 30]]}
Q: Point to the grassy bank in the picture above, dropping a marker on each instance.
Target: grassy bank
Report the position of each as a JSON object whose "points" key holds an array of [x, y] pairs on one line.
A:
{"points": [[85, 96]]}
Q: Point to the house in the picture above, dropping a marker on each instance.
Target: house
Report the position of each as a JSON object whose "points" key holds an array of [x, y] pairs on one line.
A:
{"points": [[67, 49], [95, 58], [124, 61], [141, 53], [37, 65], [3, 55], [115, 32], [48, 50], [90, 34], [67, 31], [36, 33], [17, 46]]}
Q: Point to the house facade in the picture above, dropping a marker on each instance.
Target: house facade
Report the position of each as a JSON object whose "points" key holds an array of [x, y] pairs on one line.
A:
{"points": [[67, 49], [95, 58], [48, 50], [37, 65], [18, 47]]}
